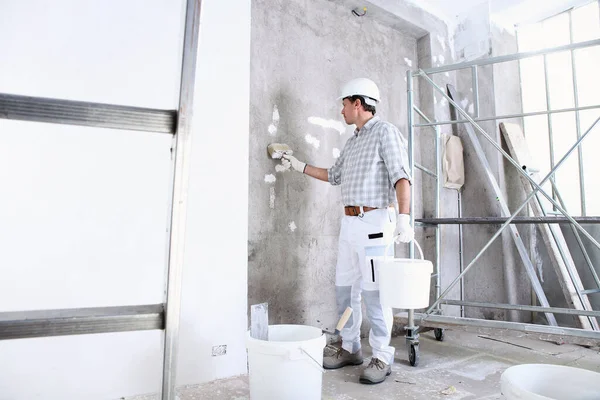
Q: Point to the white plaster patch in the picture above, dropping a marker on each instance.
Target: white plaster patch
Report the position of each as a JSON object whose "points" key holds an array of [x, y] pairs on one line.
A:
{"points": [[447, 74], [272, 130], [336, 153], [280, 168], [442, 59], [444, 102], [442, 42], [275, 115], [312, 141], [435, 59], [405, 80], [271, 197], [408, 61], [471, 109], [328, 123], [464, 103], [292, 226], [434, 100], [270, 178]]}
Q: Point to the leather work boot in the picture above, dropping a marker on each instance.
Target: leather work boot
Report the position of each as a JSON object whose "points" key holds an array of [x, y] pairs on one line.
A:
{"points": [[341, 358], [376, 372]]}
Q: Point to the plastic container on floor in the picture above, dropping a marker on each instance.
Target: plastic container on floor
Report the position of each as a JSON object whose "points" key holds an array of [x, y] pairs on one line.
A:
{"points": [[549, 382], [287, 366]]}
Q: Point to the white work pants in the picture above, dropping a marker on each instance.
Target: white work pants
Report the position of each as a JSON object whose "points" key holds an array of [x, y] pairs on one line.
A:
{"points": [[362, 237]]}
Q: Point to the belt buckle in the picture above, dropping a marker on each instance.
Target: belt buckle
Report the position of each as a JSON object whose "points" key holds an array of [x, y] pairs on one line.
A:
{"points": [[362, 212]]}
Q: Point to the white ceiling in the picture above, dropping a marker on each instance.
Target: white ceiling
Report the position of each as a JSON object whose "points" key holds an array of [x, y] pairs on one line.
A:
{"points": [[510, 12]]}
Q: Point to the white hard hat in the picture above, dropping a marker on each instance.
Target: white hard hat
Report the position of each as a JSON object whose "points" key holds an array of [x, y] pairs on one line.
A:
{"points": [[362, 87]]}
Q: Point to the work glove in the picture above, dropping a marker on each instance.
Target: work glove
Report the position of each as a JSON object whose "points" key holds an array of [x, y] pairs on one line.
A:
{"points": [[404, 233], [290, 161]]}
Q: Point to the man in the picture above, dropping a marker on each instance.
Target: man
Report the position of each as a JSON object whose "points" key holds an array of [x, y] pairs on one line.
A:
{"points": [[373, 173]]}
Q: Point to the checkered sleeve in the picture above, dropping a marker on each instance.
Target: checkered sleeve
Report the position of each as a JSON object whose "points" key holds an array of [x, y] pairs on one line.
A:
{"points": [[394, 154], [334, 174]]}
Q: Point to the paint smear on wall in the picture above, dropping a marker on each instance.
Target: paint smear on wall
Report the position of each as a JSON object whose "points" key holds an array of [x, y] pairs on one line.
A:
{"points": [[316, 143], [447, 74], [471, 109], [464, 103], [292, 226], [272, 130], [442, 42], [271, 197], [435, 100], [328, 123], [270, 178], [444, 102], [408, 61], [275, 114], [280, 168], [336, 153], [435, 59], [442, 59]]}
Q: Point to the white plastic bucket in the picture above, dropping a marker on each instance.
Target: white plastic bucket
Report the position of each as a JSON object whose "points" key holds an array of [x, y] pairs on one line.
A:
{"points": [[549, 382], [404, 282], [287, 366]]}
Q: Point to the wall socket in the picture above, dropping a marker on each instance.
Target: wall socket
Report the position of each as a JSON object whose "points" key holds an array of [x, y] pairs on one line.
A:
{"points": [[220, 350]]}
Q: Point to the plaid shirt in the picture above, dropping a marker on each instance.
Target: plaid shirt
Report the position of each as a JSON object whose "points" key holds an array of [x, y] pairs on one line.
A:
{"points": [[370, 164]]}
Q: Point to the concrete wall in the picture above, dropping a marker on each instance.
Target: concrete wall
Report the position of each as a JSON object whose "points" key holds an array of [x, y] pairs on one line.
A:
{"points": [[302, 53], [84, 210]]}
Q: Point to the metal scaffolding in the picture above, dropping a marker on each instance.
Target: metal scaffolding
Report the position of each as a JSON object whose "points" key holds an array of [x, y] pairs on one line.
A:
{"points": [[433, 315], [42, 323]]}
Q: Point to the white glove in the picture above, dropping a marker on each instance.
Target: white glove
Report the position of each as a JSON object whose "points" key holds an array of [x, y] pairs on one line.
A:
{"points": [[404, 233], [290, 161]]}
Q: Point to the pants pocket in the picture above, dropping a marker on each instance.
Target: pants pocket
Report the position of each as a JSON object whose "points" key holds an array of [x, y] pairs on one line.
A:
{"points": [[369, 268]]}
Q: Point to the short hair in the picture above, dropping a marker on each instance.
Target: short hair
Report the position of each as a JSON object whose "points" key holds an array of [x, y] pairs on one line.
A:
{"points": [[367, 107]]}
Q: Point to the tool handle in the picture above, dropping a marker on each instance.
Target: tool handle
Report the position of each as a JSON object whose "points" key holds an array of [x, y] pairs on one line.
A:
{"points": [[344, 319]]}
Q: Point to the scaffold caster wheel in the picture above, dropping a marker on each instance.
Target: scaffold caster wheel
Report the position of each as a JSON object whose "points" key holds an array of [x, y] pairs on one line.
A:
{"points": [[439, 334], [413, 354]]}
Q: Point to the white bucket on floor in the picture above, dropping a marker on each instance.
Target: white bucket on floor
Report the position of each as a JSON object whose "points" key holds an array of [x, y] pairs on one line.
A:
{"points": [[287, 366], [404, 282], [549, 382]]}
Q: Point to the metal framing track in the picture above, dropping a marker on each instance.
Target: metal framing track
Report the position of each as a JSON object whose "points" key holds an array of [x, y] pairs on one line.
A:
{"points": [[501, 220], [68, 112], [80, 321]]}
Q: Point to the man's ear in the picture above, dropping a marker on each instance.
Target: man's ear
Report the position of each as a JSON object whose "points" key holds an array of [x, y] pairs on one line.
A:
{"points": [[357, 103]]}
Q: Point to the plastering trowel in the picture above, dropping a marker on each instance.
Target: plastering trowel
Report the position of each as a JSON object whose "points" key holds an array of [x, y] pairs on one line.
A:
{"points": [[278, 150]]}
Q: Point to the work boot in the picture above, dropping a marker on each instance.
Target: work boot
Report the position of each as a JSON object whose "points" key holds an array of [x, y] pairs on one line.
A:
{"points": [[376, 372], [341, 358]]}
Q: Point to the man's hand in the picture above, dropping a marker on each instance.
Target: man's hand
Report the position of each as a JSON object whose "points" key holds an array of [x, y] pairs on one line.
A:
{"points": [[290, 161], [404, 233]]}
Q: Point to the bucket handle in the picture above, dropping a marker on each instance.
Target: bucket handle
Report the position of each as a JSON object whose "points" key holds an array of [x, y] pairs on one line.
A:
{"points": [[387, 249], [316, 363]]}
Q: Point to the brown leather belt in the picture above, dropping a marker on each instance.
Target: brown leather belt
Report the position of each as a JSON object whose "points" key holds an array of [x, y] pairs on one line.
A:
{"points": [[354, 211]]}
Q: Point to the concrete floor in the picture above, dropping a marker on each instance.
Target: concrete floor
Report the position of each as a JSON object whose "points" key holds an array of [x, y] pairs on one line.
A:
{"points": [[470, 361]]}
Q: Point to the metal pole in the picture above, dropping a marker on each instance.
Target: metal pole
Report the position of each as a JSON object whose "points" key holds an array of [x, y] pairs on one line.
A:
{"points": [[176, 240], [586, 256], [577, 120], [509, 57], [475, 81], [509, 116], [501, 220], [513, 162], [518, 307], [460, 253], [550, 138], [438, 233], [507, 223], [411, 154], [427, 171]]}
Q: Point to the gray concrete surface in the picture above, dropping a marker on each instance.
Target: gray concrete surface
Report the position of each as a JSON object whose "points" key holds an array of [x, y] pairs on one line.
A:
{"points": [[302, 53], [470, 361]]}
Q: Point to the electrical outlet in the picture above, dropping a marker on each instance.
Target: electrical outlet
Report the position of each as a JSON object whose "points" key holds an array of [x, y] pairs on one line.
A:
{"points": [[220, 350]]}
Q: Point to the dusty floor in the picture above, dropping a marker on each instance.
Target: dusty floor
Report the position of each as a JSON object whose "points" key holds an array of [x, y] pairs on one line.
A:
{"points": [[467, 363]]}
